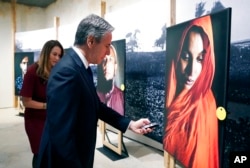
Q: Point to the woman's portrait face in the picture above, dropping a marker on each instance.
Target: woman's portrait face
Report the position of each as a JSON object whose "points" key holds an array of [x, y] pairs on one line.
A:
{"points": [[190, 63], [109, 65], [24, 64], [55, 55]]}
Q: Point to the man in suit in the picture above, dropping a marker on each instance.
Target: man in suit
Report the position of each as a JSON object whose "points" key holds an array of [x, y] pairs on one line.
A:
{"points": [[73, 107]]}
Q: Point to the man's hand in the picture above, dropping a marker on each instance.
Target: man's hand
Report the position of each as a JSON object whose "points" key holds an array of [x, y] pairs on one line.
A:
{"points": [[136, 126]]}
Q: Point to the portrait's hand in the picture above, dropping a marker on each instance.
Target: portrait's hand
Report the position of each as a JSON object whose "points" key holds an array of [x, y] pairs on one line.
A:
{"points": [[136, 126]]}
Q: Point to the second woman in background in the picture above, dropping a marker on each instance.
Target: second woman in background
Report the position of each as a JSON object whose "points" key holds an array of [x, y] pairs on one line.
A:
{"points": [[34, 93]]}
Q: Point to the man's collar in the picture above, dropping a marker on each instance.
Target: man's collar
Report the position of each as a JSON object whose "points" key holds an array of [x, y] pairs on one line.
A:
{"points": [[82, 57]]}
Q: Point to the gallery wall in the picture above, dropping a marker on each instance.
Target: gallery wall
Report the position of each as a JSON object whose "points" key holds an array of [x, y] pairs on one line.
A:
{"points": [[35, 18], [6, 57]]}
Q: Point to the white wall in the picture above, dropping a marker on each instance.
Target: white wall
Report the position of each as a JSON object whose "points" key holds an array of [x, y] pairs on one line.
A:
{"points": [[114, 5], [30, 19], [73, 11], [6, 57], [69, 12]]}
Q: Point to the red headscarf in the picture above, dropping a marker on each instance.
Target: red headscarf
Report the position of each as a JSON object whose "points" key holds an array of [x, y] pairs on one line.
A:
{"points": [[191, 131]]}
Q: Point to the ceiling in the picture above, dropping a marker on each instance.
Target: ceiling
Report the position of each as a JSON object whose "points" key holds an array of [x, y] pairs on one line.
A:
{"points": [[35, 3]]}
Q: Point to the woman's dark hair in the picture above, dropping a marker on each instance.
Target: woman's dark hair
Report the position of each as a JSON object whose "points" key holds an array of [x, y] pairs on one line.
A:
{"points": [[44, 67]]}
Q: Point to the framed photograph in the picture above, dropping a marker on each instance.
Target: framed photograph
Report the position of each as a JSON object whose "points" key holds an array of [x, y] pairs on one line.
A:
{"points": [[145, 34], [21, 60], [110, 77], [110, 89], [197, 66]]}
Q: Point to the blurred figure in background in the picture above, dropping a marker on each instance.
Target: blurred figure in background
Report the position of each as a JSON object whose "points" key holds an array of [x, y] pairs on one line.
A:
{"points": [[33, 93]]}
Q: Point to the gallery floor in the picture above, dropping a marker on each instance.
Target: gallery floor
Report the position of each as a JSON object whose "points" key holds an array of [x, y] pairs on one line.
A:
{"points": [[15, 151]]}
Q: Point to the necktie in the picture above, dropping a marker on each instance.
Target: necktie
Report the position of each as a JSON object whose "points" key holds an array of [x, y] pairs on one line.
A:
{"points": [[90, 73]]}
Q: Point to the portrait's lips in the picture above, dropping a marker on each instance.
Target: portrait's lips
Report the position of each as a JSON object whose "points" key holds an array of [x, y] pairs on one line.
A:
{"points": [[106, 72], [189, 81]]}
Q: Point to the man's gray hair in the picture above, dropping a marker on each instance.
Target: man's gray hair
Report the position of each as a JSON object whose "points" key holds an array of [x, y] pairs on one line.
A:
{"points": [[92, 25]]}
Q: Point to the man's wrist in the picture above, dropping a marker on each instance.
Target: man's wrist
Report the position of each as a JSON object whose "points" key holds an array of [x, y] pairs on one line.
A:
{"points": [[129, 125]]}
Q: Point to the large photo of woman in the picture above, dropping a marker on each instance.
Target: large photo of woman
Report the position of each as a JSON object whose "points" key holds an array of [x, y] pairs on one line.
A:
{"points": [[22, 61], [110, 77], [191, 132]]}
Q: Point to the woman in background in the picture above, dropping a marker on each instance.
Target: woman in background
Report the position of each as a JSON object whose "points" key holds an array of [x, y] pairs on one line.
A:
{"points": [[34, 93], [191, 131]]}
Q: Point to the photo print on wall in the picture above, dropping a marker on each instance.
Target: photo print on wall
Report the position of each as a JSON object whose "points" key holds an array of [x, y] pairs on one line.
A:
{"points": [[196, 85], [110, 77], [236, 126], [145, 34], [22, 60]]}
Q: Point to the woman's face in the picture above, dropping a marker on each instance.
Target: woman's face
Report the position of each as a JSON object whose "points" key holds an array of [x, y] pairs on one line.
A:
{"points": [[55, 55], [109, 65], [24, 64], [191, 59]]}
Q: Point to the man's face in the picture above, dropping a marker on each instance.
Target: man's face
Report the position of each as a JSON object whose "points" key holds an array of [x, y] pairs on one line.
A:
{"points": [[109, 65], [24, 64], [98, 51]]}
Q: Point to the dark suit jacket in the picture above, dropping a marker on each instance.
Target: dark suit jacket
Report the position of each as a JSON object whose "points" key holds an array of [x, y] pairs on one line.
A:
{"points": [[69, 135]]}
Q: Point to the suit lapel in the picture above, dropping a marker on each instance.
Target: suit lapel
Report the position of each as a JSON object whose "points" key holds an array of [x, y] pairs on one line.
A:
{"points": [[84, 74]]}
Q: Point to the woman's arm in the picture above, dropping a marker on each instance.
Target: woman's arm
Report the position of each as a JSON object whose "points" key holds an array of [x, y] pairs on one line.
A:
{"points": [[28, 102]]}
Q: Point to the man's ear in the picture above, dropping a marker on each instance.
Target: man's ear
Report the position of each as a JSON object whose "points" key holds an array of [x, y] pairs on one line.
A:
{"points": [[90, 41]]}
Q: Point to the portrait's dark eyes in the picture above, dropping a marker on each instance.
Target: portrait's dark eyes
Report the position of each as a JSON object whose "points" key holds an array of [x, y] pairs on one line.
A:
{"points": [[185, 56], [200, 58]]}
